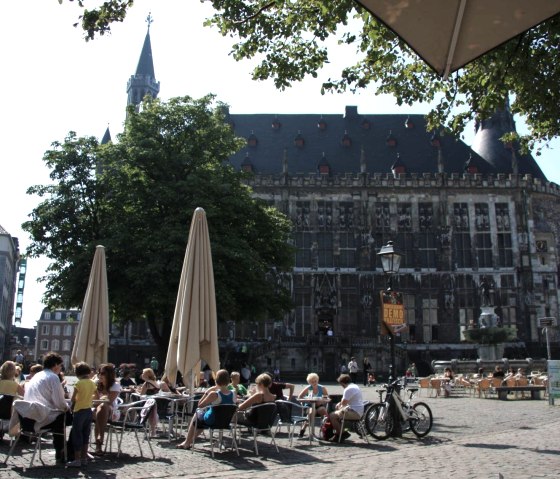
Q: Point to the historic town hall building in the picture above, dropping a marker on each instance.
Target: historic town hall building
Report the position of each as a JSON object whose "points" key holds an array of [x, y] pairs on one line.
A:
{"points": [[475, 225]]}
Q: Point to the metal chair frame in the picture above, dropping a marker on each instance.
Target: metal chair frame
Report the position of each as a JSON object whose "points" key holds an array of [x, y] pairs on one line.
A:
{"points": [[286, 417], [135, 419], [27, 429], [359, 424], [225, 418], [266, 416]]}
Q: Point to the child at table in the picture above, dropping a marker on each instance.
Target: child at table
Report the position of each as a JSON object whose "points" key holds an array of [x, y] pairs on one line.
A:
{"points": [[82, 402]]}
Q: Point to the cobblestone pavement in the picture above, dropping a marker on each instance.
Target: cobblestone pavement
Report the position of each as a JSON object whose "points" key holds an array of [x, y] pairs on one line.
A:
{"points": [[471, 438]]}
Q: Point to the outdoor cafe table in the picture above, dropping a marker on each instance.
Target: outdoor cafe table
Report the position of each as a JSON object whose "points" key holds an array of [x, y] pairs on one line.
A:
{"points": [[313, 401]]}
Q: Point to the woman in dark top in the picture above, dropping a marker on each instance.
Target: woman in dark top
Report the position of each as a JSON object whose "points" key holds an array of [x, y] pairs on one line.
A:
{"points": [[263, 395]]}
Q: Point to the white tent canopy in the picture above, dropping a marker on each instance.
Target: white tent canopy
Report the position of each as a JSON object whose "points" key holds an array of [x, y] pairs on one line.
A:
{"points": [[448, 34]]}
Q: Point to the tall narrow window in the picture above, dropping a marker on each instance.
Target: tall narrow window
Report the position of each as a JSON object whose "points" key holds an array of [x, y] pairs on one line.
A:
{"points": [[347, 250], [325, 250], [484, 250], [505, 250]]}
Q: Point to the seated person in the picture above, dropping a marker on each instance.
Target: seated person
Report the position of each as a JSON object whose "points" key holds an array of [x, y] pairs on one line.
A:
{"points": [[261, 396], [448, 381], [151, 385], [371, 379], [352, 405], [165, 381], [314, 390], [479, 374], [220, 394], [108, 389], [8, 383], [277, 388], [46, 388], [498, 372], [236, 385], [126, 381], [36, 368]]}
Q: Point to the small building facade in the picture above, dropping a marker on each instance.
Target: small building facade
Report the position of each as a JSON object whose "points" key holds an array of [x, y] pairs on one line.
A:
{"points": [[56, 331], [9, 264]]}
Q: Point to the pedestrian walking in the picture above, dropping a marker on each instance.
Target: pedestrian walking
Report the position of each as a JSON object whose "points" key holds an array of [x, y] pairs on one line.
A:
{"points": [[366, 369], [353, 369]]}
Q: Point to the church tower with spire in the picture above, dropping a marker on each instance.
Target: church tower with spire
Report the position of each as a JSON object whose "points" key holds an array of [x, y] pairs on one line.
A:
{"points": [[143, 82]]}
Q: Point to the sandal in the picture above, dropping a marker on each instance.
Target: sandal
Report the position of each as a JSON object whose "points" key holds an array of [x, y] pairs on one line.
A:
{"points": [[184, 446], [98, 448]]}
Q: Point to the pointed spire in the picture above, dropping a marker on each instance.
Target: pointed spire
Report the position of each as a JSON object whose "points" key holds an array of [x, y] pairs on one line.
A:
{"points": [[146, 62], [143, 82], [106, 137]]}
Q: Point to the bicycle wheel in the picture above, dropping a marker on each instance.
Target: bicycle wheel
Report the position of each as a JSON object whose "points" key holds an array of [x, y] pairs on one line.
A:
{"points": [[421, 419], [378, 421]]}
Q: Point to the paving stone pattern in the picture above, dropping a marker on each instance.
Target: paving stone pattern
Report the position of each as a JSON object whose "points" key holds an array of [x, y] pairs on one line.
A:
{"points": [[471, 438]]}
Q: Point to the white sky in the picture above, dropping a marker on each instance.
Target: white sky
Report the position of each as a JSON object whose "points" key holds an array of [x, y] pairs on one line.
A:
{"points": [[54, 82]]}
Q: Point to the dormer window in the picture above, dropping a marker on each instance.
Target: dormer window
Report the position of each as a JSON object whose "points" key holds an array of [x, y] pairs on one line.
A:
{"points": [[366, 124], [408, 123], [470, 167], [276, 124], [346, 141], [323, 167], [322, 124], [246, 165], [398, 166], [298, 140], [252, 140], [391, 141]]}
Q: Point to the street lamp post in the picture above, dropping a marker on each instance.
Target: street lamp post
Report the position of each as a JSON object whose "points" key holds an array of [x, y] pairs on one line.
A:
{"points": [[390, 262]]}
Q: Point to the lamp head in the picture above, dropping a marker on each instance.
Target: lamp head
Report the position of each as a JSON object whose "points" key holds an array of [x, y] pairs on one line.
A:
{"points": [[390, 258]]}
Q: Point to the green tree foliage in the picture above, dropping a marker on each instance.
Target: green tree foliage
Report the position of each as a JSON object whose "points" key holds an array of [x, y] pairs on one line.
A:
{"points": [[68, 222], [170, 159], [287, 37]]}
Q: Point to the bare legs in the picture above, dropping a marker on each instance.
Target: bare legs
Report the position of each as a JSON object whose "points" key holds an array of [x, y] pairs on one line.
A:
{"points": [[188, 442], [101, 417]]}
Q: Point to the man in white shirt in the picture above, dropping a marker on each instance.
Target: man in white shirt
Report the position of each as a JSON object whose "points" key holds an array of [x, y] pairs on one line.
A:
{"points": [[353, 369], [45, 388], [352, 402]]}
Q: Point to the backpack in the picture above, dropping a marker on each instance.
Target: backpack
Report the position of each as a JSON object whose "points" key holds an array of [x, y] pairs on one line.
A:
{"points": [[327, 431]]}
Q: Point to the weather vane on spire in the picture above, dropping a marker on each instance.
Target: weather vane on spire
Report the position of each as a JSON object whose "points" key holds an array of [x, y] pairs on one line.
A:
{"points": [[149, 20]]}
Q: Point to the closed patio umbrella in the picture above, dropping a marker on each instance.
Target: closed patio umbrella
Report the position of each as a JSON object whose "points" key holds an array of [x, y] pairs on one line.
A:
{"points": [[92, 336], [194, 334], [448, 34]]}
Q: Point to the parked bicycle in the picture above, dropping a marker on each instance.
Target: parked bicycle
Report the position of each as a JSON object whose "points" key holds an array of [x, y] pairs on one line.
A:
{"points": [[414, 416]]}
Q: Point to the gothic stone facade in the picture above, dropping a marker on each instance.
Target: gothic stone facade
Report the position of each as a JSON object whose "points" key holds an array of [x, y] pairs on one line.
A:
{"points": [[457, 230]]}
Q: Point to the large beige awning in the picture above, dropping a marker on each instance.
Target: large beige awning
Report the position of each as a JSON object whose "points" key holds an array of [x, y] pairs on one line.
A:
{"points": [[448, 34]]}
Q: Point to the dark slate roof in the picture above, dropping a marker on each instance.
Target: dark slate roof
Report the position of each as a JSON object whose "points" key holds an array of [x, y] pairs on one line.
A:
{"points": [[487, 144], [146, 62], [106, 137], [412, 144]]}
